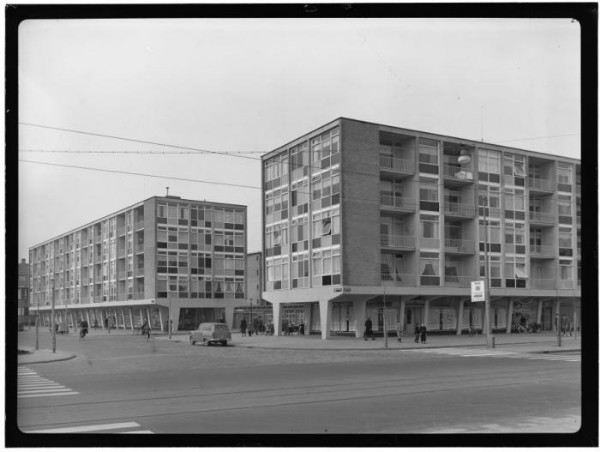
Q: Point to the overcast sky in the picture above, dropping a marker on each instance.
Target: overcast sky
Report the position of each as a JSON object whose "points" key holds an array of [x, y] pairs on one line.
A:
{"points": [[251, 85]]}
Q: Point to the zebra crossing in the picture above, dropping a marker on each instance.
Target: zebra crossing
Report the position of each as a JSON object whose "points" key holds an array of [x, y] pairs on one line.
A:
{"points": [[116, 427], [465, 352], [30, 384]]}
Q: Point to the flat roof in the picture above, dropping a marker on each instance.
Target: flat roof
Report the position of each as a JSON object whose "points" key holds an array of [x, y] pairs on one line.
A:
{"points": [[132, 206], [477, 143]]}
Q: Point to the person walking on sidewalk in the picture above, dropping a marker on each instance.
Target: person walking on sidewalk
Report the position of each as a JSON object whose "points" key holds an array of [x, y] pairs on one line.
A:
{"points": [[417, 333], [146, 330], [423, 333], [369, 329], [243, 326]]}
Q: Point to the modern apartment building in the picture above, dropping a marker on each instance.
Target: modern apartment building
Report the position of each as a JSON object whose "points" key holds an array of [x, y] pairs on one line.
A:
{"points": [[359, 214], [23, 293], [135, 264]]}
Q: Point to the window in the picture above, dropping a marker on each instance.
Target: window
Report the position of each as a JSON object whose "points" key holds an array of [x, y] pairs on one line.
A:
{"points": [[430, 226], [428, 156], [393, 267], [326, 228], [514, 237], [429, 269], [429, 196], [515, 272], [494, 236], [565, 177], [299, 161], [489, 166], [300, 270], [514, 204], [565, 271], [565, 242], [514, 170], [323, 265], [277, 273], [489, 201], [564, 209], [276, 171]]}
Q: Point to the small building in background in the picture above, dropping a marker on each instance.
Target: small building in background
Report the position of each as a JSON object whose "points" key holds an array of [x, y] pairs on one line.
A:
{"points": [[23, 294]]}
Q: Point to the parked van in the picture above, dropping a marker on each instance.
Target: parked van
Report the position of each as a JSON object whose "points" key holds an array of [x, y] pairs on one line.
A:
{"points": [[209, 333]]}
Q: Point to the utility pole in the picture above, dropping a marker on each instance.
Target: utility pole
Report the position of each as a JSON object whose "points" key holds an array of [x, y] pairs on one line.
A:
{"points": [[488, 330], [558, 323], [53, 323], [170, 316], [385, 333]]}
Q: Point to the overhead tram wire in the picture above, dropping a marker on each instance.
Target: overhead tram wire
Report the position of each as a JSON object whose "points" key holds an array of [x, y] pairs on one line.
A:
{"points": [[190, 148], [70, 151]]}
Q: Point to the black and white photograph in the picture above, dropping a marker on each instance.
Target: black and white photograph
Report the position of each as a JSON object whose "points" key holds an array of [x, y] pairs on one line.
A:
{"points": [[341, 225]]}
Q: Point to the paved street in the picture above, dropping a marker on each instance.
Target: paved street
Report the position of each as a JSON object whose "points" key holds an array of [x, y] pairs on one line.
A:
{"points": [[121, 383]]}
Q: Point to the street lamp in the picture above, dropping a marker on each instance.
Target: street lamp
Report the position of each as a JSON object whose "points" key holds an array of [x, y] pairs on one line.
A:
{"points": [[464, 158]]}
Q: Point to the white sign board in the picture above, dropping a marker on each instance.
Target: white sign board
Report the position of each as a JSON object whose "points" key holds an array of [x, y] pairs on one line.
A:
{"points": [[477, 291]]}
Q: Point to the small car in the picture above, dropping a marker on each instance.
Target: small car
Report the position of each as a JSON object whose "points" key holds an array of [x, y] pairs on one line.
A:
{"points": [[209, 333]]}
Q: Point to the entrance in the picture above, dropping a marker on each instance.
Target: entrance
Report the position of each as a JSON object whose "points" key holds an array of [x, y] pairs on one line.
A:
{"points": [[414, 317]]}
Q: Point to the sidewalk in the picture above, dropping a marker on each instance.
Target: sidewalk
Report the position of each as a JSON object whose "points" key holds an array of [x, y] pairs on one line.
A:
{"points": [[32, 356], [532, 343]]}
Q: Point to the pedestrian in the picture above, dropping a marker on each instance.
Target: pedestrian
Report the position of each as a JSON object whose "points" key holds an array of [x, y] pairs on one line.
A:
{"points": [[369, 329], [301, 331], [423, 333], [243, 325], [399, 331], [146, 330], [417, 333], [250, 329], [106, 324], [255, 326]]}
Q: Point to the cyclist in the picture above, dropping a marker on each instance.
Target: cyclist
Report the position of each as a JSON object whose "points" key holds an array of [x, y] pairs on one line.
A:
{"points": [[146, 330], [83, 325]]}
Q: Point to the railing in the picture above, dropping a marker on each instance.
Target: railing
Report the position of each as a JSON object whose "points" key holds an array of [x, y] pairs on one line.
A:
{"points": [[542, 251], [543, 283], [578, 189], [121, 230], [461, 209], [396, 279], [543, 217], [139, 271], [398, 241], [565, 284], [139, 224], [404, 165], [121, 253], [399, 202], [459, 245], [460, 281], [540, 184], [430, 243], [122, 275], [457, 173]]}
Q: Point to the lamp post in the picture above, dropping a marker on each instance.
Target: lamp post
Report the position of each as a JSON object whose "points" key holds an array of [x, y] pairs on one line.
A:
{"points": [[53, 325], [385, 333], [464, 158], [170, 311]]}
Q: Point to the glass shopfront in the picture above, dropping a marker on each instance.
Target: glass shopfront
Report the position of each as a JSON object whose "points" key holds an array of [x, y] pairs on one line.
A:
{"points": [[342, 317], [191, 318]]}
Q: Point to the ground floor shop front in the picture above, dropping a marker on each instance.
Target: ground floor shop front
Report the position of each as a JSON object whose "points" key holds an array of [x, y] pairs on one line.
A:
{"points": [[123, 316], [440, 315]]}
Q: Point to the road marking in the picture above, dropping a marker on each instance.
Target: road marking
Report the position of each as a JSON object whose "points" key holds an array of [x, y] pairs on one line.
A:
{"points": [[94, 428], [30, 384], [468, 353]]}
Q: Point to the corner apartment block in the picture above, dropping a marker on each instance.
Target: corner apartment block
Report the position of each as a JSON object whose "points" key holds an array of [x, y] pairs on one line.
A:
{"points": [[359, 214]]}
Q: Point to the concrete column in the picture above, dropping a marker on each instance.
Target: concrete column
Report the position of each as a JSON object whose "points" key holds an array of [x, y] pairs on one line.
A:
{"points": [[509, 313], [87, 314], [123, 317], [460, 311], [228, 317], [276, 319], [325, 308], [426, 313], [359, 307], [555, 309], [538, 316], [148, 316], [160, 317], [131, 318], [402, 312]]}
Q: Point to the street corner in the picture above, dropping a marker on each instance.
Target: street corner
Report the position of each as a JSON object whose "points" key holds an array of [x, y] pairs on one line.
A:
{"points": [[33, 356]]}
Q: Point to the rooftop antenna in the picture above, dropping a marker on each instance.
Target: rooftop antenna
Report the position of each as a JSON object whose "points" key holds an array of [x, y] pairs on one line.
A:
{"points": [[482, 123], [167, 191]]}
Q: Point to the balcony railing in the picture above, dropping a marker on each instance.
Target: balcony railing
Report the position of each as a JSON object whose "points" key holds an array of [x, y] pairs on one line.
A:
{"points": [[121, 231], [139, 225], [459, 245], [121, 253], [398, 241], [541, 217], [430, 243], [540, 184], [398, 202], [543, 283], [459, 209], [458, 173], [458, 281], [139, 271], [397, 164], [398, 279], [565, 284], [542, 251]]}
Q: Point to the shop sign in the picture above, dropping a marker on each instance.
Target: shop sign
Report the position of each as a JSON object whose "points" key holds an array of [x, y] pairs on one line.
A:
{"points": [[477, 291]]}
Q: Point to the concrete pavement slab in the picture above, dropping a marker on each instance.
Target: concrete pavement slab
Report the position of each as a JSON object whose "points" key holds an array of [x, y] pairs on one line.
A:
{"points": [[32, 356]]}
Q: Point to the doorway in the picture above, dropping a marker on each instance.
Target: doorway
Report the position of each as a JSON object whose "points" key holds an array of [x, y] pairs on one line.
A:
{"points": [[414, 317]]}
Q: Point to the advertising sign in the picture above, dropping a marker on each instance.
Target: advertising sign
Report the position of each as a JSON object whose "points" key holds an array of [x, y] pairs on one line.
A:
{"points": [[477, 291]]}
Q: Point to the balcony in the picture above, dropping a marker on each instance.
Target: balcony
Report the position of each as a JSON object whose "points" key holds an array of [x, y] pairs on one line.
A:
{"points": [[459, 210], [121, 253], [542, 218], [539, 283], [396, 166], [122, 275], [120, 231], [542, 252], [139, 225], [397, 203], [459, 246], [455, 175], [139, 271], [565, 284], [404, 242], [458, 280], [540, 185], [430, 243], [401, 280]]}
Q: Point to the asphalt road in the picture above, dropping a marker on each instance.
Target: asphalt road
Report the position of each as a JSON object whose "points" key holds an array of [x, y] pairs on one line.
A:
{"points": [[166, 387]]}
